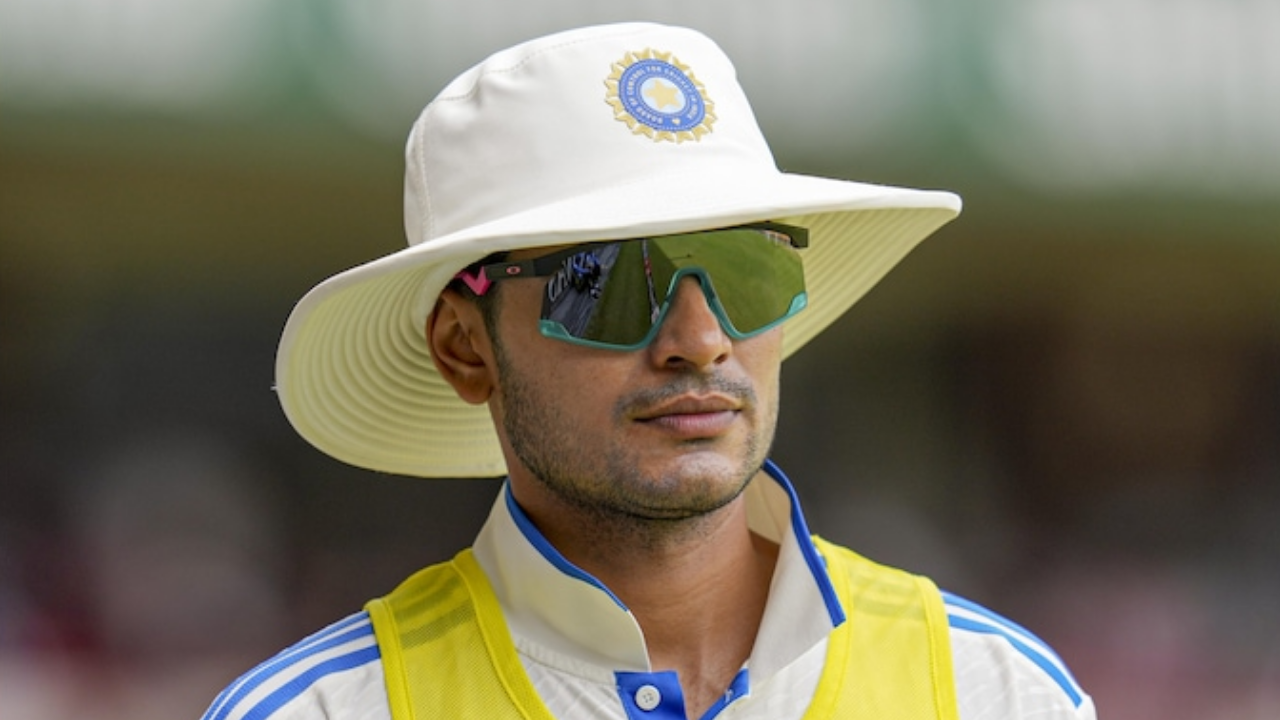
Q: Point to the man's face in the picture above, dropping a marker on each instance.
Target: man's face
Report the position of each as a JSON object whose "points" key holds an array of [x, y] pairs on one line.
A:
{"points": [[673, 430]]}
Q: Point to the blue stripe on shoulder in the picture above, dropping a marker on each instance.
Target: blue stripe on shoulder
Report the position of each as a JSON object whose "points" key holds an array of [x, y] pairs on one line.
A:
{"points": [[299, 684], [1021, 639], [995, 617], [339, 633]]}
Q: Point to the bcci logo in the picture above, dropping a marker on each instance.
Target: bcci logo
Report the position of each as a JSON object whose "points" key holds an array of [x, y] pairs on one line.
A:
{"points": [[656, 95]]}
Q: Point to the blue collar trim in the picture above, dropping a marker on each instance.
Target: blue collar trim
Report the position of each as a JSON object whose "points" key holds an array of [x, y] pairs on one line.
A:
{"points": [[553, 556], [817, 566]]}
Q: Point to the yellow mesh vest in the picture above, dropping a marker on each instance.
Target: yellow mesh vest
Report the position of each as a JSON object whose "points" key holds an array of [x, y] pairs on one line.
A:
{"points": [[446, 652]]}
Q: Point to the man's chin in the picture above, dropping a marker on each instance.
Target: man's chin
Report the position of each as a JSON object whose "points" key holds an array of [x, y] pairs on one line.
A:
{"points": [[691, 486]]}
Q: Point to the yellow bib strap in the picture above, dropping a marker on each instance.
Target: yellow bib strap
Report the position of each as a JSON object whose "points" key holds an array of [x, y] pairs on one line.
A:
{"points": [[891, 659], [446, 651]]}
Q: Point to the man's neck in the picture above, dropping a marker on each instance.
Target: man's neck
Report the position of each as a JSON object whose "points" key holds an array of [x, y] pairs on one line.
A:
{"points": [[698, 591], [703, 623]]}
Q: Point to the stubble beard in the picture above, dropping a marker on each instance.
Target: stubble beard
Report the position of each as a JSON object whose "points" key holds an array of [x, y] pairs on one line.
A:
{"points": [[606, 486]]}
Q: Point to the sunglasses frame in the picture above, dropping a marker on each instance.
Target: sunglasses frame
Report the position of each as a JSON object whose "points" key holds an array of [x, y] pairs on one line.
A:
{"points": [[480, 278]]}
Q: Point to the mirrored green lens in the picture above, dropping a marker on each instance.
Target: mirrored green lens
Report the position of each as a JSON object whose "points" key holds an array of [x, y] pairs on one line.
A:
{"points": [[616, 294], [754, 278]]}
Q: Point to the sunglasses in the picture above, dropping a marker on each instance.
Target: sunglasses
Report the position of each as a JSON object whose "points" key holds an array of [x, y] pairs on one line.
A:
{"points": [[616, 294]]}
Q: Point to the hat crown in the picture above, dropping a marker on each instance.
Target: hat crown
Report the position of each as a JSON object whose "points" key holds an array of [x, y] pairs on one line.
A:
{"points": [[566, 115], [594, 134]]}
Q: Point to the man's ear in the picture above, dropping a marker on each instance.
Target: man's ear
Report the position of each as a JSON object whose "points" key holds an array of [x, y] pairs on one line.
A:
{"points": [[460, 348]]}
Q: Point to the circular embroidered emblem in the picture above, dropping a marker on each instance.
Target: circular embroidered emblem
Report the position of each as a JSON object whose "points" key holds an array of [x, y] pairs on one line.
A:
{"points": [[658, 96]]}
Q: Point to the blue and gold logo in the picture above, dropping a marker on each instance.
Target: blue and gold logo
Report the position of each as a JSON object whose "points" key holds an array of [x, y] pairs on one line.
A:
{"points": [[658, 96]]}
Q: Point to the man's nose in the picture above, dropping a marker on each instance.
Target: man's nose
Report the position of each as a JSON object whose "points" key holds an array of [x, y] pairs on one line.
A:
{"points": [[690, 334]]}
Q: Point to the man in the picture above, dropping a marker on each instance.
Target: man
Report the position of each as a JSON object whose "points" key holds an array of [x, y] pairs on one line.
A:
{"points": [[605, 272]]}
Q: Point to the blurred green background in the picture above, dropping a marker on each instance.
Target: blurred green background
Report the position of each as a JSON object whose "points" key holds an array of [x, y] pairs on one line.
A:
{"points": [[1065, 405]]}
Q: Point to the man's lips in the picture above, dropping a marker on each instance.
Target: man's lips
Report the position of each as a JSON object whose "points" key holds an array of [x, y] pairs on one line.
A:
{"points": [[692, 416]]}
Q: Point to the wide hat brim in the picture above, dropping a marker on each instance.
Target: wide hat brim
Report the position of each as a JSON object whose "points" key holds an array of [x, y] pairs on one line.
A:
{"points": [[356, 380], [565, 138]]}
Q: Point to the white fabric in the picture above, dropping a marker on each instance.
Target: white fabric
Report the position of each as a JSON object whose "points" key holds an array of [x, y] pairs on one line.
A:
{"points": [[534, 147], [551, 613], [1002, 671]]}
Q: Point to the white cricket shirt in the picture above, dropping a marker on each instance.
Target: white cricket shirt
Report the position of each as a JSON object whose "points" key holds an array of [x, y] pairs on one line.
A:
{"points": [[586, 655]]}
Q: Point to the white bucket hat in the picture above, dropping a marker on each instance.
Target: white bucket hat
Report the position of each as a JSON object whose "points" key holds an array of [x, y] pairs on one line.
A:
{"points": [[598, 133]]}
